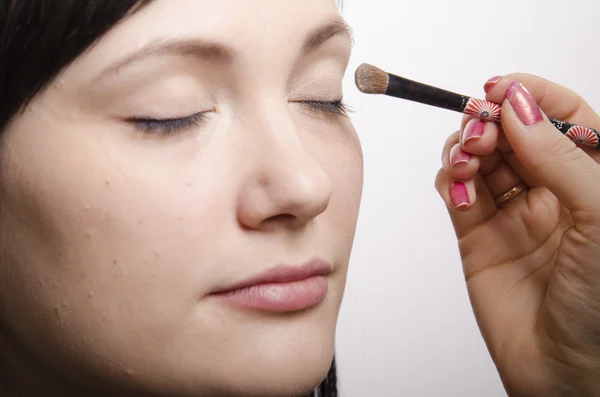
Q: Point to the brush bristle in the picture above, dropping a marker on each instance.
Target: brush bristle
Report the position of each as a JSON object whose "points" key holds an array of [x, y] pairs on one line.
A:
{"points": [[371, 80]]}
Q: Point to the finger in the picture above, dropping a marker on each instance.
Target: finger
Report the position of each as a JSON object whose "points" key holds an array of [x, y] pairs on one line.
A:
{"points": [[469, 202], [458, 163], [498, 174], [502, 179], [500, 144], [504, 162], [500, 169], [555, 100], [524, 174], [478, 137], [550, 156], [483, 147], [458, 195]]}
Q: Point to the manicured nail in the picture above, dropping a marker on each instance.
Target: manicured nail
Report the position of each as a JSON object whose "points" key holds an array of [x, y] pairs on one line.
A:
{"points": [[457, 155], [491, 83], [459, 194], [525, 106], [473, 130]]}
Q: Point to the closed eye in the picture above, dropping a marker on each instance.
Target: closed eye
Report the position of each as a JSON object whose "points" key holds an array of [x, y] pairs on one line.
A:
{"points": [[168, 126], [175, 125], [332, 107]]}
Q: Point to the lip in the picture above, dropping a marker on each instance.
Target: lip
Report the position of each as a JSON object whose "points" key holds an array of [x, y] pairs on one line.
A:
{"points": [[280, 289]]}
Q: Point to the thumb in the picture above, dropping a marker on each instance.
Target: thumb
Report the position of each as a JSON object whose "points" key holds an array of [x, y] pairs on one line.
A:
{"points": [[566, 170]]}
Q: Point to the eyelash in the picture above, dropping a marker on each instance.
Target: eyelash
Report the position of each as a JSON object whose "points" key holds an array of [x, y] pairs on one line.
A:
{"points": [[168, 126], [337, 108], [171, 126]]}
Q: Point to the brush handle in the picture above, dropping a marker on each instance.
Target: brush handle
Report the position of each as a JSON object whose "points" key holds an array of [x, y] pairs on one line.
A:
{"points": [[401, 87]]}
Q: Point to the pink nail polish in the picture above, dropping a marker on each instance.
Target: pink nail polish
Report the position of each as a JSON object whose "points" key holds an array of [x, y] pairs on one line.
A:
{"points": [[457, 156], [459, 194], [491, 83], [525, 106], [473, 130]]}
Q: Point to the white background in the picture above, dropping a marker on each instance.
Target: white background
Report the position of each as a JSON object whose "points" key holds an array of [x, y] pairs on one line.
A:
{"points": [[406, 326]]}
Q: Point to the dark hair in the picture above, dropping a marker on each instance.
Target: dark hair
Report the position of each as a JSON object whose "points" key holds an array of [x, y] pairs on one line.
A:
{"points": [[38, 39]]}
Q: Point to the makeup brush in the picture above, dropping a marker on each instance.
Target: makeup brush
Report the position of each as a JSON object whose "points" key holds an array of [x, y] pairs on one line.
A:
{"points": [[372, 80]]}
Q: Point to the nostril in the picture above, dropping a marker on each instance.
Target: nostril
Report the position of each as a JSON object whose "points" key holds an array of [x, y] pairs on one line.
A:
{"points": [[280, 218]]}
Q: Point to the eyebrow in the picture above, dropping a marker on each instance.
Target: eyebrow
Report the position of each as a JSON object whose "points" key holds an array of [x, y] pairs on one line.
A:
{"points": [[221, 53], [334, 27]]}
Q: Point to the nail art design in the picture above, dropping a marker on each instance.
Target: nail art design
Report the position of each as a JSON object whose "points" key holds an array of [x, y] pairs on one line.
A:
{"points": [[483, 109], [572, 130], [583, 136]]}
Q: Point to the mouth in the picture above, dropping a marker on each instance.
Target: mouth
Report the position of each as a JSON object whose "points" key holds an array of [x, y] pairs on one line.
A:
{"points": [[280, 289]]}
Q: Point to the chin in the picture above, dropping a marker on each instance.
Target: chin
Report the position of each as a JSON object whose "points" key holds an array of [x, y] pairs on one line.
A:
{"points": [[284, 355], [289, 360], [283, 376], [262, 356], [291, 373]]}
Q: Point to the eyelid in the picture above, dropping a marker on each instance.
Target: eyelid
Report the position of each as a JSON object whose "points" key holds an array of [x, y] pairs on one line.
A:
{"points": [[168, 126], [335, 107], [170, 118]]}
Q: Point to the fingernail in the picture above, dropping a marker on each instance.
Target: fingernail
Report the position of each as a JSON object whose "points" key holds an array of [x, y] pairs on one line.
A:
{"points": [[459, 194], [525, 106], [473, 130], [491, 83], [457, 155]]}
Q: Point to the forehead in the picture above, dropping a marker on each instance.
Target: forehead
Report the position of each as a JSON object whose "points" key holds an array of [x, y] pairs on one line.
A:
{"points": [[258, 28]]}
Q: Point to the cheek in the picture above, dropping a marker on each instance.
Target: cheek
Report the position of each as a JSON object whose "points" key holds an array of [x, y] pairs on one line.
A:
{"points": [[114, 263], [131, 234], [344, 163], [92, 246]]}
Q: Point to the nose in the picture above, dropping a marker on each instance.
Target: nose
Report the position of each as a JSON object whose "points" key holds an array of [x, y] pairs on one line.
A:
{"points": [[286, 185]]}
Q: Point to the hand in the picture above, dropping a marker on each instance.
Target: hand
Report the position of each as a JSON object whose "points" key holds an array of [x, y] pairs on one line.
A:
{"points": [[532, 264]]}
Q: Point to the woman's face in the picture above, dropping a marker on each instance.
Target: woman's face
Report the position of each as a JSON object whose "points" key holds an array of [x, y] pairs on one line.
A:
{"points": [[118, 232]]}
